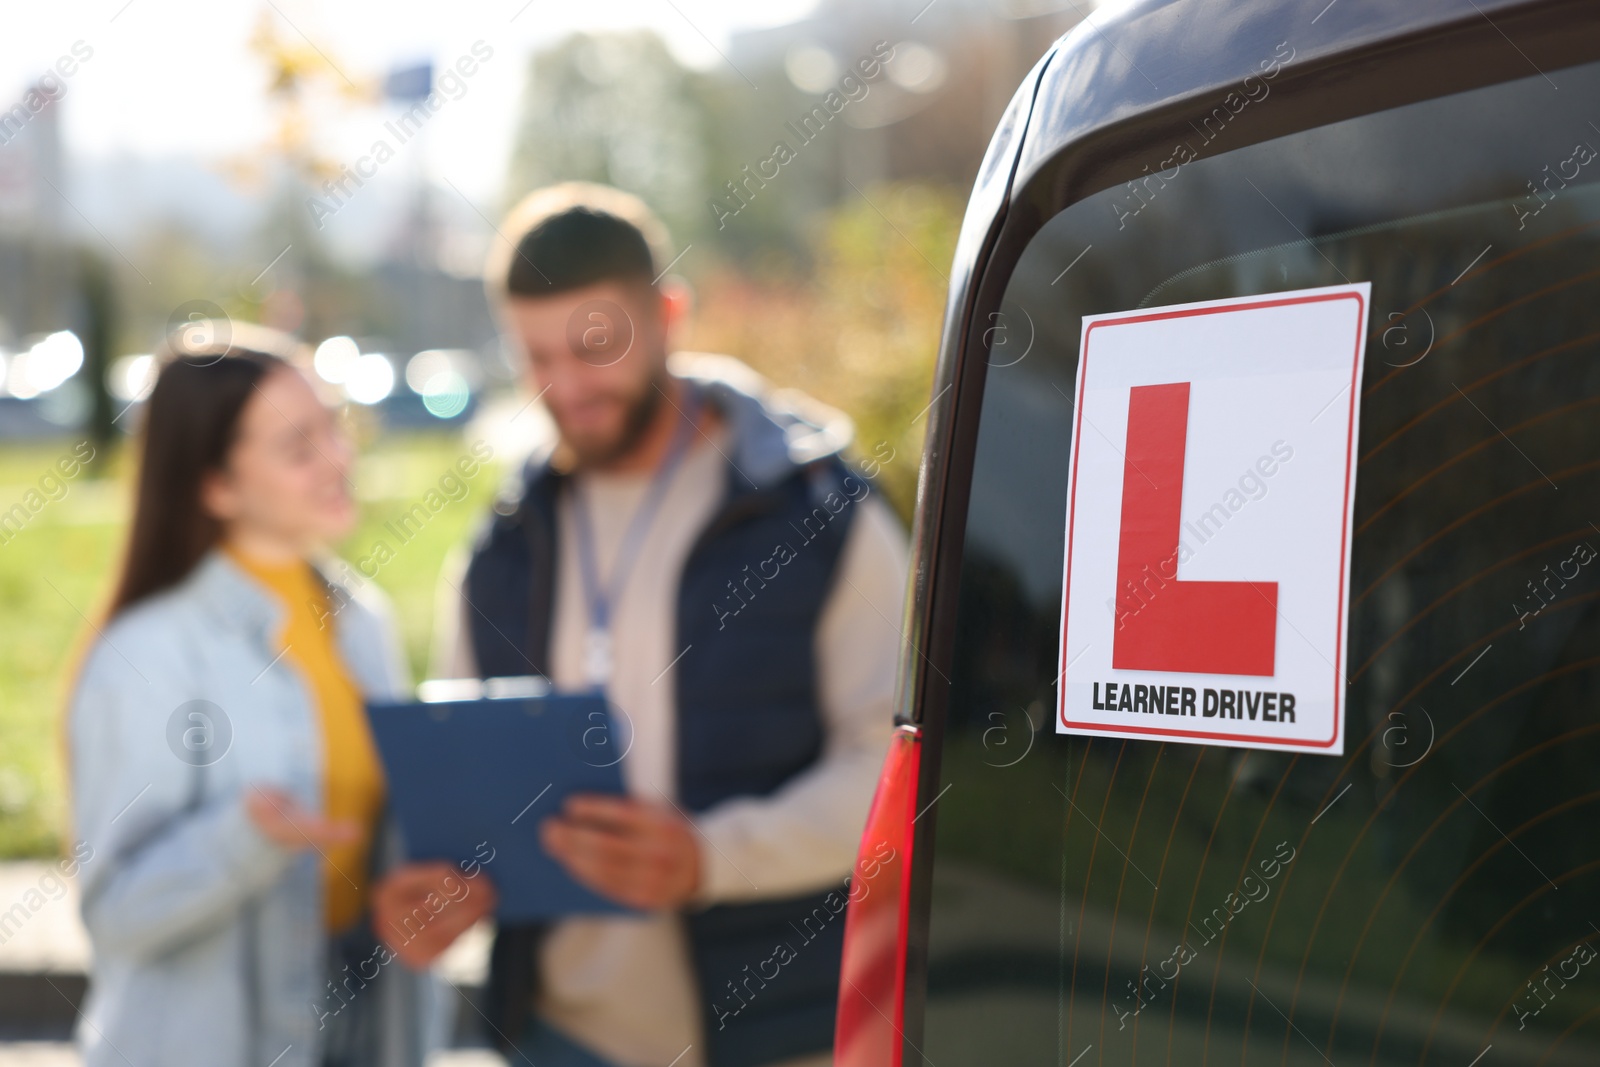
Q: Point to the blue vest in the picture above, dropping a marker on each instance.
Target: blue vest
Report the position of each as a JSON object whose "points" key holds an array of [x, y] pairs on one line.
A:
{"points": [[747, 722]]}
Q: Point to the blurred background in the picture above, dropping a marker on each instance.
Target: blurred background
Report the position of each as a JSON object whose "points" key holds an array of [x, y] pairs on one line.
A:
{"points": [[338, 170]]}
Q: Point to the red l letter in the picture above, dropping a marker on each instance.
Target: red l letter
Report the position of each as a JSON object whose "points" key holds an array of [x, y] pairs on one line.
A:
{"points": [[1164, 624]]}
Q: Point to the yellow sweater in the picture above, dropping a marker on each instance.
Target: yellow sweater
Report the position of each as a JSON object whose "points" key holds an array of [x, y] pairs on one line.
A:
{"points": [[352, 777]]}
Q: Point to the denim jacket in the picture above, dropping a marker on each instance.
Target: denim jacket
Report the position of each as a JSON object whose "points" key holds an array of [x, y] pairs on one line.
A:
{"points": [[208, 939]]}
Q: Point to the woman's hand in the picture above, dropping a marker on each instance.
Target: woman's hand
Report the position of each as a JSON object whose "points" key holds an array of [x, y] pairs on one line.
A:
{"points": [[286, 822]]}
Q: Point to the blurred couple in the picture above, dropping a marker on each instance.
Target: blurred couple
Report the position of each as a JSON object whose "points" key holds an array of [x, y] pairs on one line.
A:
{"points": [[698, 548]]}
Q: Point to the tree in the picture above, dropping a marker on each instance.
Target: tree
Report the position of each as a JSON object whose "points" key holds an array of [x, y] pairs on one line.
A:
{"points": [[615, 108]]}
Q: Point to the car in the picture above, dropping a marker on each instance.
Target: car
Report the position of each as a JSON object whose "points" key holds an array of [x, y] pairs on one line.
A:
{"points": [[1101, 835]]}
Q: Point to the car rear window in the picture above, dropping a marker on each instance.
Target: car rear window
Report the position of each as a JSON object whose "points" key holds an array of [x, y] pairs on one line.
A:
{"points": [[1434, 891]]}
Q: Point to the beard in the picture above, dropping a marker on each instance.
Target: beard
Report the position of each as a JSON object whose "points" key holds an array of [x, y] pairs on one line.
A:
{"points": [[641, 412]]}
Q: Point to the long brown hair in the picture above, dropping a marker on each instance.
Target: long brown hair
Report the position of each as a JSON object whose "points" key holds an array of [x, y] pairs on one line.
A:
{"points": [[191, 421]]}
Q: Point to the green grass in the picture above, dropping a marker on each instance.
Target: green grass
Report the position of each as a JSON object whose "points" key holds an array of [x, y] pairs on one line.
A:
{"points": [[55, 575]]}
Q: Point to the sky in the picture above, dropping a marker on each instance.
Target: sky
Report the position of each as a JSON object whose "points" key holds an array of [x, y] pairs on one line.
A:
{"points": [[176, 78]]}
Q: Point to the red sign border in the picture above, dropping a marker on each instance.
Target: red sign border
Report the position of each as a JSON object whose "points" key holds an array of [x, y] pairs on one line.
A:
{"points": [[1344, 534]]}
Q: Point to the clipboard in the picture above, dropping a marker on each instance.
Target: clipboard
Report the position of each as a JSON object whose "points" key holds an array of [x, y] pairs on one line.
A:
{"points": [[474, 767]]}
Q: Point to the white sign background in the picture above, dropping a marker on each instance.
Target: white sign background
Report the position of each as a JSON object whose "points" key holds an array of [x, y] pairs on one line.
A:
{"points": [[1282, 370]]}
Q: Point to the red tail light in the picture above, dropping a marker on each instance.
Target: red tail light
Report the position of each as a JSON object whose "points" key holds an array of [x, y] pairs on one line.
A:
{"points": [[872, 986]]}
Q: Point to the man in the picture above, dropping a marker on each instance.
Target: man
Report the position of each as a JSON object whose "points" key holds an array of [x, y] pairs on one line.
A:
{"points": [[701, 550]]}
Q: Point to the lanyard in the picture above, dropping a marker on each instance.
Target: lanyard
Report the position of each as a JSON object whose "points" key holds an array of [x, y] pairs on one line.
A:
{"points": [[601, 598]]}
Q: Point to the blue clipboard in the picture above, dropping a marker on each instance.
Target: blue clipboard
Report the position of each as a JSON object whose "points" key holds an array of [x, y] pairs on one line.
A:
{"points": [[476, 766]]}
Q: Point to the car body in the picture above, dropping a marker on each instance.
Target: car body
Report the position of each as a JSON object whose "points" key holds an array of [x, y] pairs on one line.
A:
{"points": [[1430, 893]]}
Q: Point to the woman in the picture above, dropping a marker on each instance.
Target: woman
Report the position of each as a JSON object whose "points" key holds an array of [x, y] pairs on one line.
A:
{"points": [[223, 770]]}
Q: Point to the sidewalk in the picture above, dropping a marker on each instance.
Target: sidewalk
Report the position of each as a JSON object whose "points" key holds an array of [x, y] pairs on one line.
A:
{"points": [[44, 955], [44, 959]]}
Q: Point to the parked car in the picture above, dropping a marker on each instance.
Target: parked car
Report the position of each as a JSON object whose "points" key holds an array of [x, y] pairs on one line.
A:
{"points": [[1043, 893]]}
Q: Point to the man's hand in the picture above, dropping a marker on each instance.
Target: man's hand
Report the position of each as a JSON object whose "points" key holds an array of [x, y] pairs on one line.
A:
{"points": [[635, 853], [420, 909], [289, 824]]}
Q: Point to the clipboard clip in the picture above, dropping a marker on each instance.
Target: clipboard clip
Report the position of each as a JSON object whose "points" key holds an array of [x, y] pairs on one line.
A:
{"points": [[450, 690]]}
